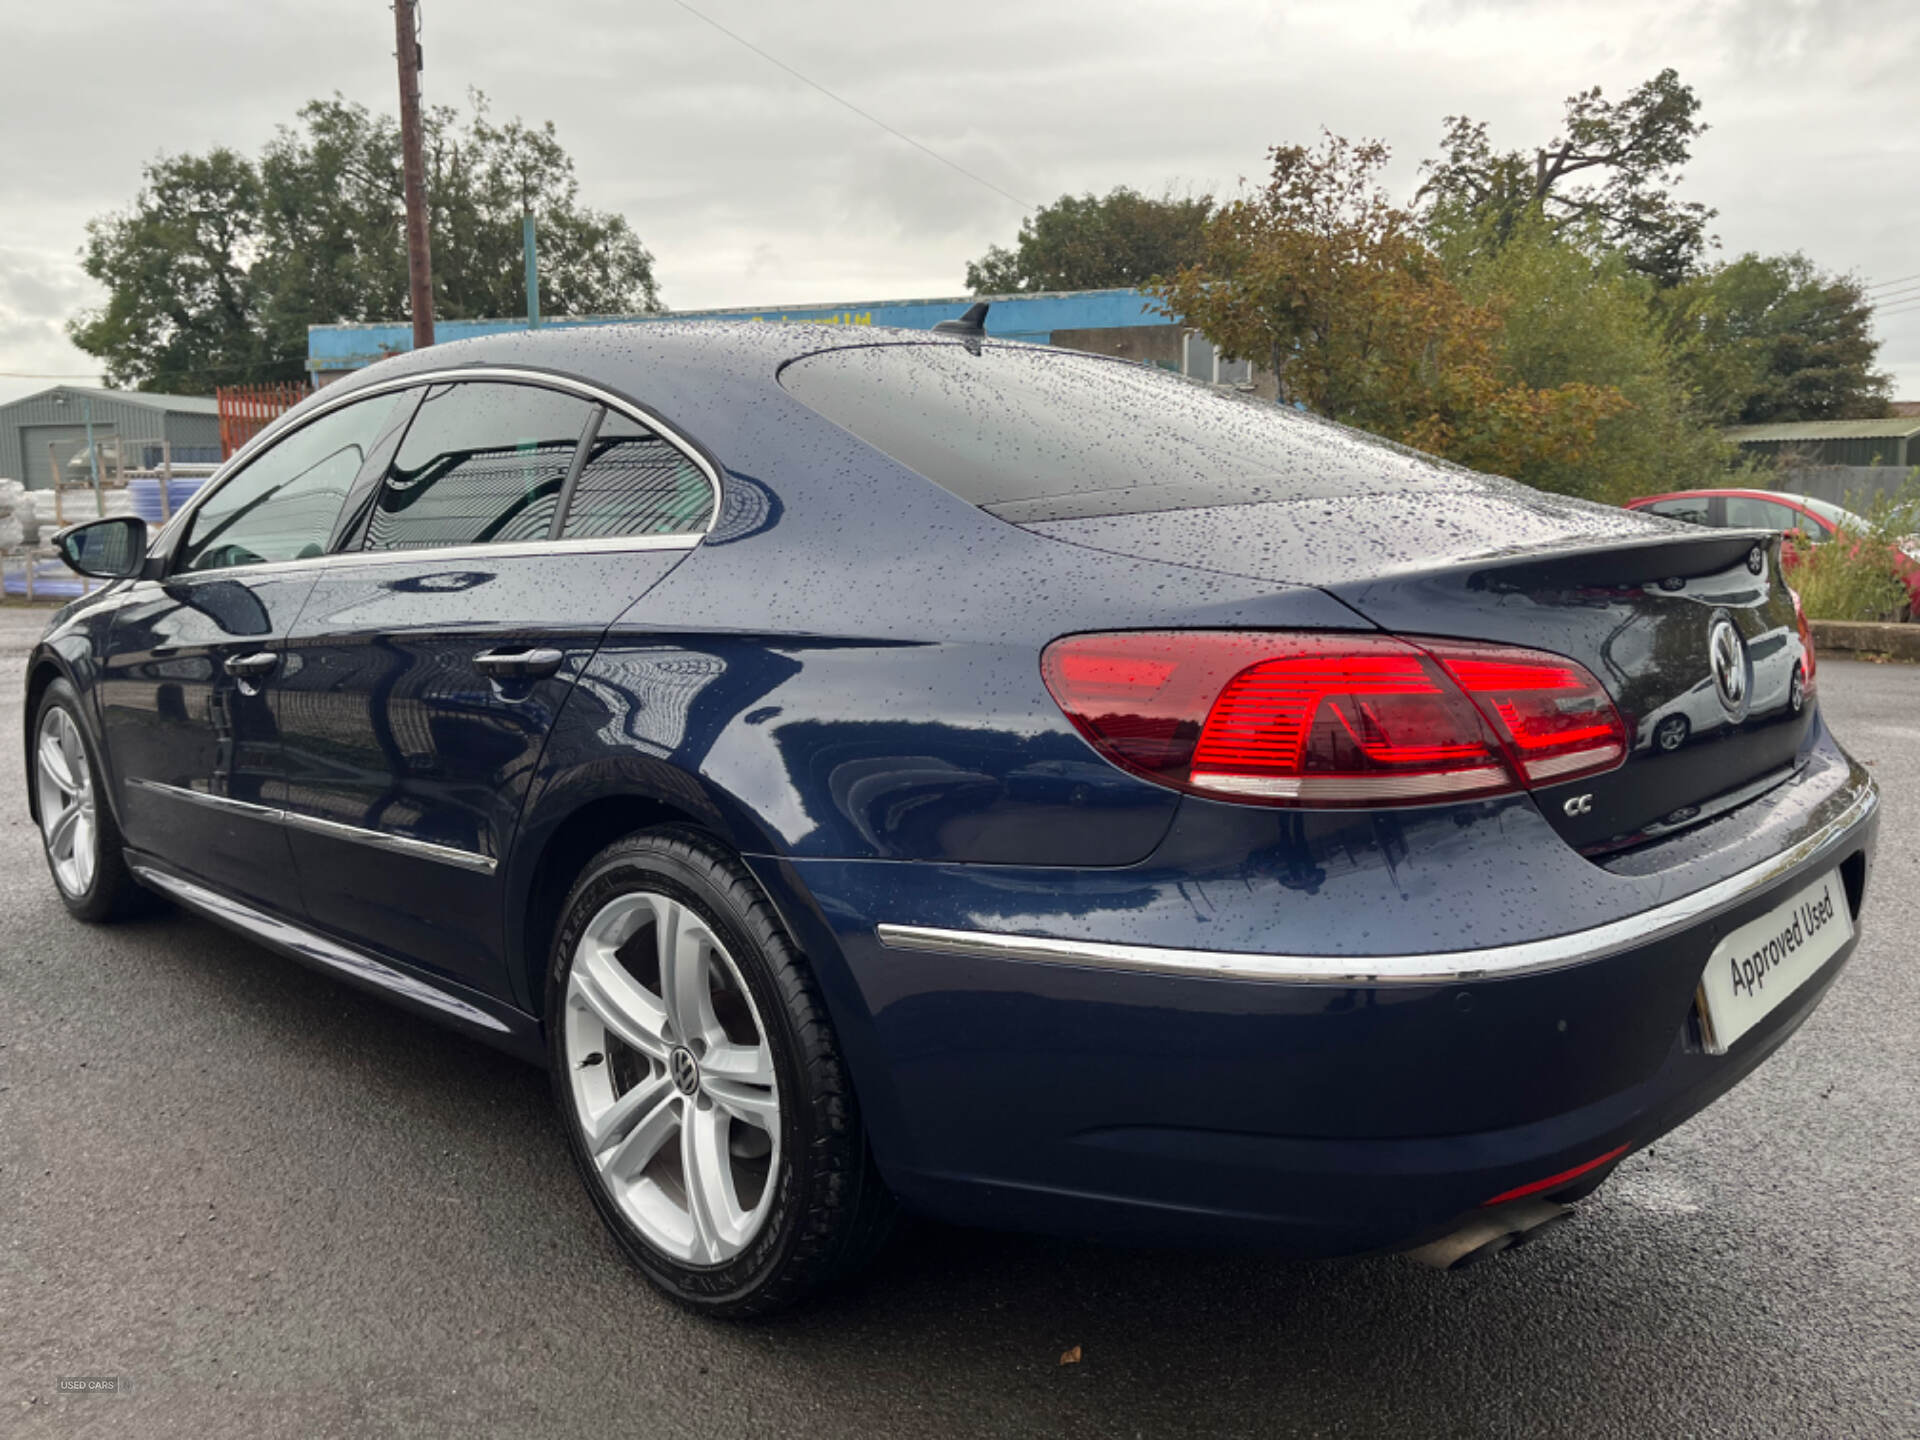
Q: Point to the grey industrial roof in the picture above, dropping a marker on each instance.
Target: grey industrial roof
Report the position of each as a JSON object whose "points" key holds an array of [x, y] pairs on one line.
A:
{"points": [[1893, 427], [180, 404]]}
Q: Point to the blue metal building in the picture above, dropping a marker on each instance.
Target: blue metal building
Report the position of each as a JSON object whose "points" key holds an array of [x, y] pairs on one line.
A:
{"points": [[1125, 323]]}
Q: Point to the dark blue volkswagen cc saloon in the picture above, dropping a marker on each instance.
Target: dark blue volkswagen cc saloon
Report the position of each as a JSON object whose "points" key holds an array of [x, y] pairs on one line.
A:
{"points": [[877, 768]]}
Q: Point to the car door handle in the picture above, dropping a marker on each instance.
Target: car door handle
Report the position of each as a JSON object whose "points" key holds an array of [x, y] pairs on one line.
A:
{"points": [[518, 664], [251, 667]]}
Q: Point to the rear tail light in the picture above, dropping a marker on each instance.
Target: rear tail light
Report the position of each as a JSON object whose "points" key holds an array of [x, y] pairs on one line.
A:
{"points": [[1557, 722], [1332, 719]]}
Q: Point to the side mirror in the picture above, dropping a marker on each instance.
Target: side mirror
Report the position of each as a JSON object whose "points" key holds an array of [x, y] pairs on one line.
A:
{"points": [[110, 549]]}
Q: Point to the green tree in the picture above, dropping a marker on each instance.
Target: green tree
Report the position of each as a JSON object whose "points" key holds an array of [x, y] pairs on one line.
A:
{"points": [[1608, 176], [1088, 242], [182, 308], [332, 204], [1772, 337], [220, 265], [1567, 318], [1324, 280], [481, 178]]}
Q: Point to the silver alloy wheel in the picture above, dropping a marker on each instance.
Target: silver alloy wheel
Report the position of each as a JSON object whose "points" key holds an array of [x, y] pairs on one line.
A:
{"points": [[672, 1078], [66, 802]]}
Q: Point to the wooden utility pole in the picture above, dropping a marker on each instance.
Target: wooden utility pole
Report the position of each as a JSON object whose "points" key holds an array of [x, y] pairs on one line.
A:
{"points": [[419, 254]]}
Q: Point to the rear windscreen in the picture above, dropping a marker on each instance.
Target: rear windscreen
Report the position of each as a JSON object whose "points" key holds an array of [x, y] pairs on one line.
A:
{"points": [[1034, 434]]}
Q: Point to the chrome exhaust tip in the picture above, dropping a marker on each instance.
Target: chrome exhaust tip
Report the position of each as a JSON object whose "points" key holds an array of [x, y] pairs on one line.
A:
{"points": [[1490, 1233]]}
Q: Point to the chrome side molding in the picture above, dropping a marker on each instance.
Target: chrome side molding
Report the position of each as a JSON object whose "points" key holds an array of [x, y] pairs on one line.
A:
{"points": [[293, 819], [1526, 958], [398, 844], [300, 944]]}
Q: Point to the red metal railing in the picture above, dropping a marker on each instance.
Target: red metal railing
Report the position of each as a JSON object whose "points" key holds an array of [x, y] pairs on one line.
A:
{"points": [[246, 410]]}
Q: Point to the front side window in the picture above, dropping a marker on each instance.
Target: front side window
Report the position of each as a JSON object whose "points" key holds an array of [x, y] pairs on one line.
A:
{"points": [[483, 462], [283, 505], [1690, 508], [636, 483]]}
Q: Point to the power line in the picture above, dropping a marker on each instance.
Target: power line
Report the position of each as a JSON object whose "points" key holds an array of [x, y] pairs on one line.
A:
{"points": [[864, 115], [1886, 284]]}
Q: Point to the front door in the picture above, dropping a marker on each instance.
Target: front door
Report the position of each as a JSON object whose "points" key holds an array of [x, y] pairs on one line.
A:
{"points": [[191, 732], [426, 671], [187, 691]]}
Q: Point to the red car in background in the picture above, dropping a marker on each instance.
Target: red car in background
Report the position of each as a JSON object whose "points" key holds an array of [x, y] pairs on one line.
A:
{"points": [[1817, 521]]}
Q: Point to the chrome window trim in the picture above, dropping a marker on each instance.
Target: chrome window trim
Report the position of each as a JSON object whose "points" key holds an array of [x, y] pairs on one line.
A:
{"points": [[510, 374], [1528, 958], [622, 544], [589, 544], [293, 819], [303, 944]]}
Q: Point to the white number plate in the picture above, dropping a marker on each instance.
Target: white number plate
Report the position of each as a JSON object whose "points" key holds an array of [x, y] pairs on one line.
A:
{"points": [[1767, 959]]}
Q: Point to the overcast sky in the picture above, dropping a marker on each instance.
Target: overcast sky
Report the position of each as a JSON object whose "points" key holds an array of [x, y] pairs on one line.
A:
{"points": [[751, 189]]}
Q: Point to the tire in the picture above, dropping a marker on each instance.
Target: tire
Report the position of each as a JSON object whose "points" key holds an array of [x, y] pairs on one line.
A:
{"points": [[69, 792], [719, 1137]]}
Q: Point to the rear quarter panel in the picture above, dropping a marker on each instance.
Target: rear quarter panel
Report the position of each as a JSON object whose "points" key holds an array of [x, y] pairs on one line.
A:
{"points": [[849, 667]]}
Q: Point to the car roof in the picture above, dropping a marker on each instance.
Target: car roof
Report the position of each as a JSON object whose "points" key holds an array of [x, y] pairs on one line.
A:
{"points": [[734, 347], [1799, 502], [713, 380]]}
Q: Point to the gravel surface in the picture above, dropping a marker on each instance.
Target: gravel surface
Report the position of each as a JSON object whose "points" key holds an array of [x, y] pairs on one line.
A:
{"points": [[273, 1206]]}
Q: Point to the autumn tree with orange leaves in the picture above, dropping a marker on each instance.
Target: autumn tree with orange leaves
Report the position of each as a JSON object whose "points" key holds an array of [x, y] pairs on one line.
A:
{"points": [[1325, 282]]}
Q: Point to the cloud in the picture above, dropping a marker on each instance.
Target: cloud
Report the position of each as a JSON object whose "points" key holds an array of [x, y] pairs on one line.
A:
{"points": [[752, 188], [37, 292]]}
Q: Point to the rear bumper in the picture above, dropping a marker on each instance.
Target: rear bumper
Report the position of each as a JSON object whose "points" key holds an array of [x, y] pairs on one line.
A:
{"points": [[1329, 1197], [1017, 1074]]}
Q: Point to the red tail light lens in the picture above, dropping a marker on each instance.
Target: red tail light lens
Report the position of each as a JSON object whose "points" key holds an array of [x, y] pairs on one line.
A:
{"points": [[1325, 719], [1344, 722], [1556, 720]]}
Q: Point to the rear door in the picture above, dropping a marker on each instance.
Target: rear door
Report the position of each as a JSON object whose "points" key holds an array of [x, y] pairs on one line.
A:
{"points": [[515, 521], [1751, 512], [187, 691]]}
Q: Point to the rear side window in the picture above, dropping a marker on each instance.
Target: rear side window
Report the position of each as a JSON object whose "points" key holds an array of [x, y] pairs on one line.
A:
{"points": [[482, 462], [1835, 516], [636, 483], [283, 505], [1037, 434], [1749, 512]]}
